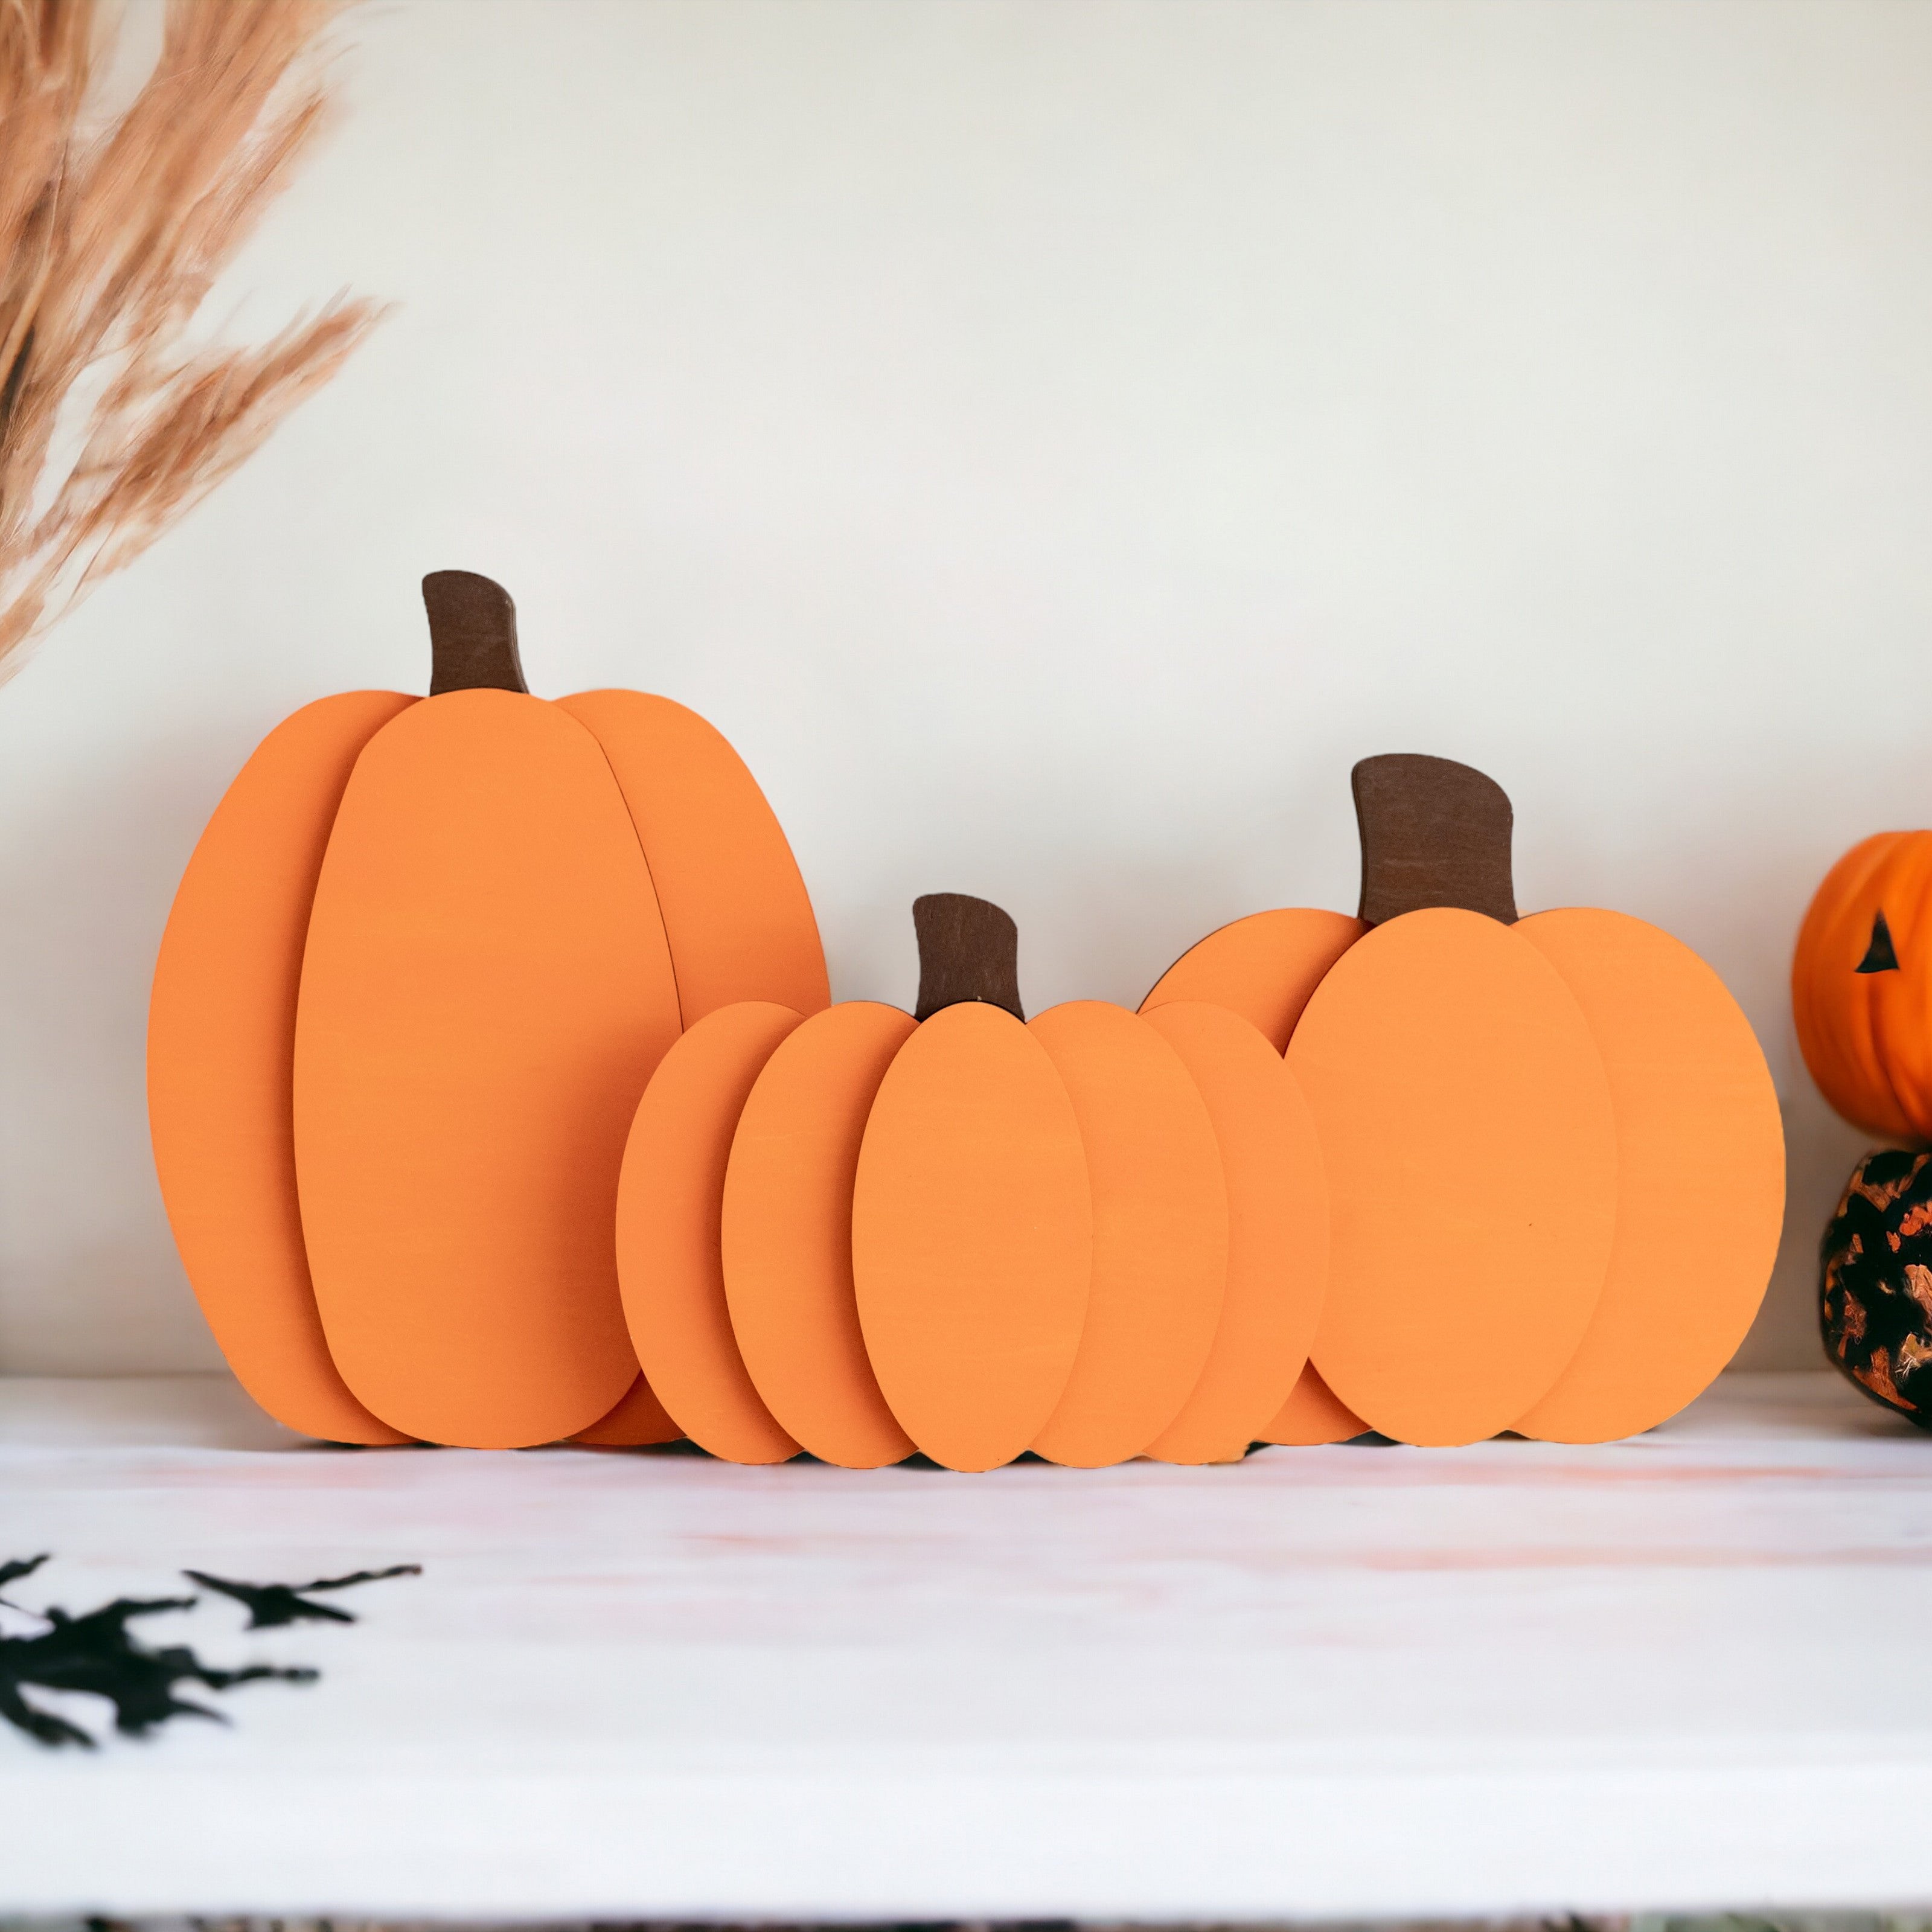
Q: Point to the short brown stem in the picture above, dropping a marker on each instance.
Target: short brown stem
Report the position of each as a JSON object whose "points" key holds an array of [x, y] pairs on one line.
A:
{"points": [[1434, 833], [968, 949], [472, 634]]}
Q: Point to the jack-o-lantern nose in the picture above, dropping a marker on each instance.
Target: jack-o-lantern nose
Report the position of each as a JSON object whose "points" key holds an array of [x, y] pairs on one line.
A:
{"points": [[1881, 955]]}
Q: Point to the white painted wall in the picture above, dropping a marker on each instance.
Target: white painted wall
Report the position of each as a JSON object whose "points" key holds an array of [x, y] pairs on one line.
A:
{"points": [[1054, 441]]}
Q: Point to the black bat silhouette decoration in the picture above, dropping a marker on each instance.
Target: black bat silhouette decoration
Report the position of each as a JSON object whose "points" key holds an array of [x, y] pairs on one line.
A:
{"points": [[270, 1604], [98, 1652], [12, 1571]]}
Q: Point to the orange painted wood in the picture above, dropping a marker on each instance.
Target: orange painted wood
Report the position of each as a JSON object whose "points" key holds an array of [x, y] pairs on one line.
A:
{"points": [[221, 1029], [1264, 967], [1466, 1126], [670, 1212], [1277, 1232], [972, 1236], [1160, 1233], [639, 1418], [787, 1234], [1312, 1414], [486, 990], [735, 908], [1700, 1175]]}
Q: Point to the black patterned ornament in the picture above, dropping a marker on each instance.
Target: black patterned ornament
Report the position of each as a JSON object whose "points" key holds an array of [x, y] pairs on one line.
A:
{"points": [[1875, 1290]]}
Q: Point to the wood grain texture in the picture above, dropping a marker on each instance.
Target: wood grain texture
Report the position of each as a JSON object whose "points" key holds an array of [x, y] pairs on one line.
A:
{"points": [[221, 1034], [1433, 833], [1278, 1238], [472, 629], [787, 1234], [1160, 1233], [972, 1236], [485, 991], [735, 908], [1264, 967], [670, 1211], [1466, 1126], [1700, 1175], [1312, 1414], [969, 949]]}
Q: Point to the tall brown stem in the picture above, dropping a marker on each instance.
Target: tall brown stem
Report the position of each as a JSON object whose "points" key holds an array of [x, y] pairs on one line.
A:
{"points": [[472, 634], [968, 949], [1434, 833]]}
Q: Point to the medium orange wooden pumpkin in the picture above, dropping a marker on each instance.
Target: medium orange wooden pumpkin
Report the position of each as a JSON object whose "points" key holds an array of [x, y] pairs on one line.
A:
{"points": [[1553, 1147], [1859, 986], [867, 1231], [424, 960]]}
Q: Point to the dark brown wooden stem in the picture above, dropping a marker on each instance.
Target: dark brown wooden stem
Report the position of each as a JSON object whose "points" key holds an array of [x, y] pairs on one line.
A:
{"points": [[1434, 833], [472, 634], [968, 949]]}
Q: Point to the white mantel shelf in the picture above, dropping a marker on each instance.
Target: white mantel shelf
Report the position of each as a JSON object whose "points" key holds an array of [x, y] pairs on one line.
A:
{"points": [[1693, 1670]]}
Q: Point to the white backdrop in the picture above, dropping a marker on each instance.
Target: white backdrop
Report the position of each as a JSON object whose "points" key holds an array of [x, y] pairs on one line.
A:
{"points": [[1053, 441]]}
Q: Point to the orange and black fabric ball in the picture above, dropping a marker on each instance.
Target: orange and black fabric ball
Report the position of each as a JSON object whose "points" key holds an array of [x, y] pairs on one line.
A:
{"points": [[1875, 1296]]}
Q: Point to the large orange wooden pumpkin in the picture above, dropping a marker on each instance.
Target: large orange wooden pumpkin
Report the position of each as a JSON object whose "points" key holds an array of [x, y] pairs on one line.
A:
{"points": [[869, 1231], [1553, 1147], [423, 960], [1861, 986]]}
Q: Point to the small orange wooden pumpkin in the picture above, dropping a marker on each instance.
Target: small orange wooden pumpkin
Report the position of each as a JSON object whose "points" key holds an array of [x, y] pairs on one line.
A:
{"points": [[423, 961], [1859, 986], [1512, 1112], [867, 1231]]}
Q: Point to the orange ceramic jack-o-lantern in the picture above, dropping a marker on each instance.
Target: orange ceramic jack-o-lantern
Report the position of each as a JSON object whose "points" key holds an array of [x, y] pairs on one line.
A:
{"points": [[1553, 1145], [1859, 986], [425, 957], [1092, 1234]]}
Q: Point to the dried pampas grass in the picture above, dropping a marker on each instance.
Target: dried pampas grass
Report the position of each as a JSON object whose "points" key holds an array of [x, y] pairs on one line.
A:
{"points": [[112, 233]]}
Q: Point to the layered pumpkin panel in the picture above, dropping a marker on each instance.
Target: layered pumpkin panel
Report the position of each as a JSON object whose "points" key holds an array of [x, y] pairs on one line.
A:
{"points": [[221, 1025], [413, 987], [961, 1234], [1510, 1110]]}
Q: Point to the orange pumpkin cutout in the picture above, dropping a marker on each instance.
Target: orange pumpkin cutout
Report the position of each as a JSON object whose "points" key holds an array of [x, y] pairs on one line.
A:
{"points": [[1264, 967], [1676, 1288], [669, 1250], [416, 975], [1692, 1096], [1278, 1233], [1162, 1232], [786, 1237], [971, 1235], [1312, 1415], [1859, 986], [1466, 1123]]}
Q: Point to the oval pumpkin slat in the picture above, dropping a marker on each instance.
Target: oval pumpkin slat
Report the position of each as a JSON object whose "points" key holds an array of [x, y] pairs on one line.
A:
{"points": [[972, 1236], [1160, 1233], [220, 1063], [787, 1234], [1697, 1121], [1277, 1233], [734, 907], [669, 1207], [1312, 1415], [458, 1133], [1466, 1124], [1264, 967], [638, 1420]]}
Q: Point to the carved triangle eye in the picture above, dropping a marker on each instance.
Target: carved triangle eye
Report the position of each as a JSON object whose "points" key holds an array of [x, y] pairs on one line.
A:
{"points": [[1881, 956]]}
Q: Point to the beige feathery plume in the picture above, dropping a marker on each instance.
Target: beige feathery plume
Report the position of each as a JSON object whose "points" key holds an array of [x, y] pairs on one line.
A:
{"points": [[111, 424]]}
